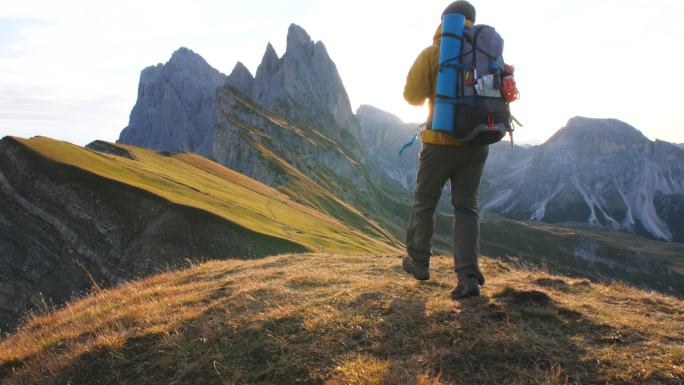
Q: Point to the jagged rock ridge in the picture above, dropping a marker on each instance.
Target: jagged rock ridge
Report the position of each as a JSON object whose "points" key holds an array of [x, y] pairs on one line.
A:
{"points": [[304, 85], [175, 108]]}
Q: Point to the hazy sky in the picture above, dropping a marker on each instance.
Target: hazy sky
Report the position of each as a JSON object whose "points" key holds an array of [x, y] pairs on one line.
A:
{"points": [[69, 69]]}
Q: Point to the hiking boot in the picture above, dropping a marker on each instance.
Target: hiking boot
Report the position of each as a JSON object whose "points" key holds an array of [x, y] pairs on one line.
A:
{"points": [[466, 288], [419, 272]]}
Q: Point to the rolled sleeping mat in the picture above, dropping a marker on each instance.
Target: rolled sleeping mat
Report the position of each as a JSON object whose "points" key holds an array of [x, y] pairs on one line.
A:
{"points": [[443, 116]]}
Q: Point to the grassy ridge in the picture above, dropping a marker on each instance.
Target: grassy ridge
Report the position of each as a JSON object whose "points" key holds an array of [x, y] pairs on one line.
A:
{"points": [[195, 182], [332, 319], [319, 187]]}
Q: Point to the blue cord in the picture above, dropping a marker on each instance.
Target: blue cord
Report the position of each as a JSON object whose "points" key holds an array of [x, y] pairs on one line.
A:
{"points": [[412, 141]]}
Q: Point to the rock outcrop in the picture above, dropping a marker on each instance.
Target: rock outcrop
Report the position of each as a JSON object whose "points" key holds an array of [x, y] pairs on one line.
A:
{"points": [[305, 86], [175, 110], [175, 107]]}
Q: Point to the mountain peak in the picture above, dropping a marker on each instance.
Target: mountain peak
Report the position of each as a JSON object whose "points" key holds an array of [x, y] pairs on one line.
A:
{"points": [[182, 51], [298, 38], [270, 52], [241, 79], [186, 59], [173, 111], [240, 68], [270, 60], [582, 130], [185, 54]]}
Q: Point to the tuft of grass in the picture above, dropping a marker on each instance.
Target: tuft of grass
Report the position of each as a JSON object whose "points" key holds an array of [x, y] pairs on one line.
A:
{"points": [[350, 319]]}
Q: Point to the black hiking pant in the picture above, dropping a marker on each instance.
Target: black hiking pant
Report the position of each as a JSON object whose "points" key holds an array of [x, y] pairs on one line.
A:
{"points": [[463, 166]]}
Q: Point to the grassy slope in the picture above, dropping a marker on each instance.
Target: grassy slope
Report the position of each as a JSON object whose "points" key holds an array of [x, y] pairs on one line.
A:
{"points": [[668, 253], [331, 319], [322, 194], [557, 246], [193, 181]]}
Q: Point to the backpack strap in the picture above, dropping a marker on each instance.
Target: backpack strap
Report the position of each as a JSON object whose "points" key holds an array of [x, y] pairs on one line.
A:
{"points": [[467, 100], [452, 36], [478, 29]]}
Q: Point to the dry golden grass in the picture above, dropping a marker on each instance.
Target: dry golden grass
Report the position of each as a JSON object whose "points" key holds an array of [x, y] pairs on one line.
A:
{"points": [[331, 319]]}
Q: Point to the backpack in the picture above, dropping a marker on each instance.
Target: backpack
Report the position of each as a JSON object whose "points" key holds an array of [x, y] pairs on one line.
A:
{"points": [[482, 115]]}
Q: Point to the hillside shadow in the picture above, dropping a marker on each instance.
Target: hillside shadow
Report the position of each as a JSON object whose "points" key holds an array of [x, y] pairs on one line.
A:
{"points": [[514, 337]]}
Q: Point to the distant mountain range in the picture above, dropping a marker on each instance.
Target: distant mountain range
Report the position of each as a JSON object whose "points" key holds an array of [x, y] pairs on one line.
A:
{"points": [[601, 172], [595, 171]]}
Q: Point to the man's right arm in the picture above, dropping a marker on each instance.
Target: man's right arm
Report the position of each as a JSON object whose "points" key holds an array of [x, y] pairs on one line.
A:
{"points": [[419, 81]]}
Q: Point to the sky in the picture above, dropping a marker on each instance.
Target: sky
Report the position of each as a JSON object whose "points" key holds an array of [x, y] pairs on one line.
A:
{"points": [[69, 69]]}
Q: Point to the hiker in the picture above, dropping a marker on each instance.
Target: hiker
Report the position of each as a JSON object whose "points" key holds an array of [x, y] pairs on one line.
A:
{"points": [[442, 159]]}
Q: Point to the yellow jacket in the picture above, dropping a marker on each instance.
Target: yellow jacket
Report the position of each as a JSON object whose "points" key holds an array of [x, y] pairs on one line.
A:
{"points": [[421, 83]]}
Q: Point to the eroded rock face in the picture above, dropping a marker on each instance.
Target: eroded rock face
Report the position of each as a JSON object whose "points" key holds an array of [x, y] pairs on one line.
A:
{"points": [[175, 107], [597, 171], [252, 141], [305, 86]]}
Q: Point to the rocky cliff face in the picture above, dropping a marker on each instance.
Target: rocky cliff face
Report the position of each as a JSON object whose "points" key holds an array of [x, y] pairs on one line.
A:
{"points": [[175, 107], [175, 110], [304, 86]]}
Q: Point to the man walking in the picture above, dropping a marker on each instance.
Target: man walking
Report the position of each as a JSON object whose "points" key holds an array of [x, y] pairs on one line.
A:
{"points": [[444, 159]]}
